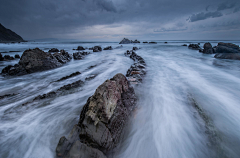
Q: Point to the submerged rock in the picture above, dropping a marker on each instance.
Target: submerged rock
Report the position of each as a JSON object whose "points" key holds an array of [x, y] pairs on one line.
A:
{"points": [[101, 122], [69, 76], [119, 47], [145, 42], [80, 48], [136, 41], [108, 48], [233, 56], [185, 45], [34, 60]]}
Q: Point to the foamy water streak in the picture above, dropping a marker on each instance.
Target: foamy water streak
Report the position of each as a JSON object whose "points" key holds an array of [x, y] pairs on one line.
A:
{"points": [[188, 103]]}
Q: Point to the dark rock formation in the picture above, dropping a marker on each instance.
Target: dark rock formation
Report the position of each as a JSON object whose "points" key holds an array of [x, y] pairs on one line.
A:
{"points": [[80, 55], [185, 45], [152, 42], [34, 60], [125, 41], [62, 57], [97, 49], [145, 42], [80, 48], [136, 41], [165, 42], [53, 50], [8, 57], [194, 46], [69, 76], [207, 48], [6, 35], [137, 71], [108, 48], [1, 57], [227, 51], [17, 56], [101, 122], [227, 48]]}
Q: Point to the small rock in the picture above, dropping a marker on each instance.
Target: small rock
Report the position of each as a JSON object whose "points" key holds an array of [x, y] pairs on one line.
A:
{"points": [[53, 50], [152, 42], [80, 48], [17, 56], [108, 48]]}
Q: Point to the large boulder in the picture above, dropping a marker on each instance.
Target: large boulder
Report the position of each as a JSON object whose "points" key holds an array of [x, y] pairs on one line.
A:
{"points": [[207, 48], [101, 122], [17, 56], [227, 51], [8, 57], [227, 48], [126, 41], [34, 60]]}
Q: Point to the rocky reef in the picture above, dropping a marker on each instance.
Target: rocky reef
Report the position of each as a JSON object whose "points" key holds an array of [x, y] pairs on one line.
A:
{"points": [[101, 122], [195, 47], [34, 60], [80, 55], [137, 70]]}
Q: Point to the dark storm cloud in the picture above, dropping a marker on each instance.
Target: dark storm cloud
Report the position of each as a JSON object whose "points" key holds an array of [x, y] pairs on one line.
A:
{"points": [[48, 19], [203, 16]]}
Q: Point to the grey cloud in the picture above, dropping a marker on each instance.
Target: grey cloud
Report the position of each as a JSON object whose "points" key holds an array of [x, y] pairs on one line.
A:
{"points": [[203, 16], [226, 5], [170, 29], [236, 10], [107, 5]]}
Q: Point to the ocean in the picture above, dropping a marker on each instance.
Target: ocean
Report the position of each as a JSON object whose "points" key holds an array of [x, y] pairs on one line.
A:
{"points": [[188, 104]]}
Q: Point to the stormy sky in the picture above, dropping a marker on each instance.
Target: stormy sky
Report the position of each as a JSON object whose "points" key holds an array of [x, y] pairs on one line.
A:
{"points": [[115, 19]]}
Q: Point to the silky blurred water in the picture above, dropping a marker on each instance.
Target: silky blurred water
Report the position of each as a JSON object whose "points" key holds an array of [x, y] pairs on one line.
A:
{"points": [[188, 102]]}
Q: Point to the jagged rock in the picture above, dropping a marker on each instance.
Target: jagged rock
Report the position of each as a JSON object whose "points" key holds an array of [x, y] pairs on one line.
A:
{"points": [[8, 57], [145, 42], [125, 41], [108, 48], [53, 50], [152, 42], [194, 46], [7, 35], [1, 57], [80, 55], [101, 122], [97, 49], [34, 60], [17, 56], [207, 48], [185, 45], [62, 57], [80, 48]]}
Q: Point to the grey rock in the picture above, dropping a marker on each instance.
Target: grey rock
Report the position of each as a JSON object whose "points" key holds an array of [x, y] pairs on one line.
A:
{"points": [[17, 56], [233, 56], [108, 48], [145, 42], [194, 46], [227, 48], [152, 42], [97, 49], [7, 35], [53, 50], [80, 48], [1, 57], [125, 41], [80, 55]]}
